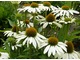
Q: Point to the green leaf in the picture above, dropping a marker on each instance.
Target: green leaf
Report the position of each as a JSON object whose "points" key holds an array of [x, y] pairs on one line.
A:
{"points": [[63, 32], [12, 23], [68, 3]]}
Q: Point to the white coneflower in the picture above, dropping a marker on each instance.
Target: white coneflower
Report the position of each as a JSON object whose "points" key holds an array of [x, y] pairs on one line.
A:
{"points": [[66, 20], [65, 11], [4, 55], [47, 6], [28, 23], [25, 22], [12, 43], [71, 53], [49, 20], [31, 36], [53, 47], [32, 8], [37, 17], [12, 32]]}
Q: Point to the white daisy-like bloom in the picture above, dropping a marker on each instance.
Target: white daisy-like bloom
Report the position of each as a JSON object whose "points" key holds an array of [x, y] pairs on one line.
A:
{"points": [[65, 11], [71, 53], [15, 46], [12, 32], [4, 55], [53, 47], [33, 8], [26, 23], [66, 20], [46, 6], [31, 36], [11, 42], [49, 20], [37, 17], [9, 33]]}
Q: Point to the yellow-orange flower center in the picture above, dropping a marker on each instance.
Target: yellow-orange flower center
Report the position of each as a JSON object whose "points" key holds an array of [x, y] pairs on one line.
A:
{"points": [[50, 18], [53, 40], [27, 21], [26, 5], [34, 5], [47, 4], [70, 47], [31, 32], [65, 7]]}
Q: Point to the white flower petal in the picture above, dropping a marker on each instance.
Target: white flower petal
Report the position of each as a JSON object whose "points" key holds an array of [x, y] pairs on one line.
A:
{"points": [[12, 47], [39, 39], [58, 50], [61, 43], [76, 57], [50, 51], [31, 39], [65, 56], [19, 39], [63, 47], [41, 36], [70, 12], [45, 24], [46, 49], [42, 45], [53, 52], [25, 41], [74, 11], [34, 43], [67, 13], [59, 25]]}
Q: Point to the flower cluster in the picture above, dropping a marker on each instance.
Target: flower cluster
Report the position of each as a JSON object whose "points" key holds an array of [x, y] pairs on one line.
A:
{"points": [[33, 30]]}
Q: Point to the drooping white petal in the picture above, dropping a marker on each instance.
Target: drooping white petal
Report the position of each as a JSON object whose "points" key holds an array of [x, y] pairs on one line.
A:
{"points": [[67, 13], [25, 41], [38, 43], [57, 50], [42, 45], [63, 47], [70, 12], [61, 12], [50, 51], [53, 52], [74, 11], [45, 24], [61, 43], [65, 56], [39, 39], [46, 49], [19, 39], [59, 25], [39, 35], [34, 43], [31, 24], [12, 47], [31, 39], [76, 57], [28, 43]]}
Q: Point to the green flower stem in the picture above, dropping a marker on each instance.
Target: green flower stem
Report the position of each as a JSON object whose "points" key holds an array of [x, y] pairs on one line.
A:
{"points": [[63, 32], [45, 13]]}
